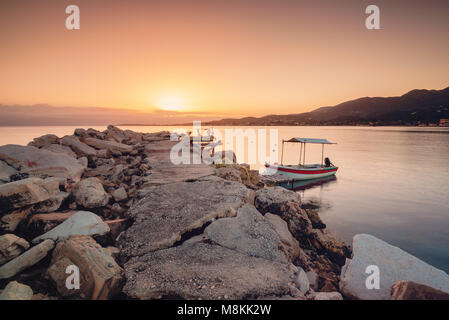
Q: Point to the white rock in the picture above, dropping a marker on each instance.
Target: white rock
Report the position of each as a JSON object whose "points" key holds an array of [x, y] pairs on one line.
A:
{"points": [[394, 265], [80, 223], [41, 162], [16, 291], [328, 296], [301, 281], [90, 193]]}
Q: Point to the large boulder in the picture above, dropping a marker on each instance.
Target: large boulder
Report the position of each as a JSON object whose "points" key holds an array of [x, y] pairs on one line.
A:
{"points": [[408, 290], [100, 276], [44, 140], [287, 205], [26, 260], [274, 199], [40, 162], [289, 244], [10, 221], [166, 212], [16, 291], [394, 265], [114, 134], [80, 223], [59, 148], [248, 233], [25, 192], [204, 271], [111, 145], [6, 172], [81, 149], [43, 222], [89, 193], [11, 246]]}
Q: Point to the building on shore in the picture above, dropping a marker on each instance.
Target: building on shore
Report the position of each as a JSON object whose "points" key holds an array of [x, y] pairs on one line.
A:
{"points": [[444, 122]]}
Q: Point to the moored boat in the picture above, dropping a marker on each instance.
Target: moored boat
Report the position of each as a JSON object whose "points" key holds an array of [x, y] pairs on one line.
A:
{"points": [[304, 171]]}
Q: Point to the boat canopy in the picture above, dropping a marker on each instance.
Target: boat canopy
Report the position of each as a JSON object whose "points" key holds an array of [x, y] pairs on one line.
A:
{"points": [[308, 140]]}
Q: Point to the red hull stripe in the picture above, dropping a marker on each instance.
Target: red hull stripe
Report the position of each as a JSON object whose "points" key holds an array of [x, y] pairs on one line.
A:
{"points": [[307, 171]]}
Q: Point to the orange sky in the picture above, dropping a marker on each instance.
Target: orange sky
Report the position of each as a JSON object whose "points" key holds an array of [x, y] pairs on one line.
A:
{"points": [[223, 57]]}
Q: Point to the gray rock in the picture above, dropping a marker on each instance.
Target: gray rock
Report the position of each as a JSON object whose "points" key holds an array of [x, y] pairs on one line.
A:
{"points": [[111, 145], [80, 223], [328, 296], [11, 246], [289, 244], [44, 140], [168, 211], [120, 194], [248, 233], [16, 291], [26, 260], [6, 172], [40, 162], [301, 281], [394, 265], [273, 199], [89, 193], [80, 148], [25, 192], [204, 271]]}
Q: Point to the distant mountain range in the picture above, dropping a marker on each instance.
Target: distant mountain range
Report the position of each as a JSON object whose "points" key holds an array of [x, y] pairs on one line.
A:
{"points": [[414, 107]]}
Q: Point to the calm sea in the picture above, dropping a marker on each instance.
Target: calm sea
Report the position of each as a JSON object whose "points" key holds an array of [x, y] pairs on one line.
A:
{"points": [[393, 182]]}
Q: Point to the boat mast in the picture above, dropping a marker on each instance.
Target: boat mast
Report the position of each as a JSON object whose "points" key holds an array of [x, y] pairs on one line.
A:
{"points": [[304, 158], [322, 154], [300, 153], [282, 155]]}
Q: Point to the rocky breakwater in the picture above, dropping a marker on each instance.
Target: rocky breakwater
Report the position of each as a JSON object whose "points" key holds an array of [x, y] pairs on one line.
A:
{"points": [[137, 226]]}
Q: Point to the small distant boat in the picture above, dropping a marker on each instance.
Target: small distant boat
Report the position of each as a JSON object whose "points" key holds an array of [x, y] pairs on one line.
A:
{"points": [[304, 171]]}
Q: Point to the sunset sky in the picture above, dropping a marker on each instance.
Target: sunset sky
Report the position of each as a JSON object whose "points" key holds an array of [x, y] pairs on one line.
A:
{"points": [[219, 57]]}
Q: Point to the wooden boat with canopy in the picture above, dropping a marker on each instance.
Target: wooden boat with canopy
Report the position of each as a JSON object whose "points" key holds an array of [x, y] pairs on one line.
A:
{"points": [[304, 171]]}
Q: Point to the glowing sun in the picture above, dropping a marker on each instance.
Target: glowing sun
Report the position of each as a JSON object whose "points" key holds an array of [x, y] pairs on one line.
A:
{"points": [[171, 103]]}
